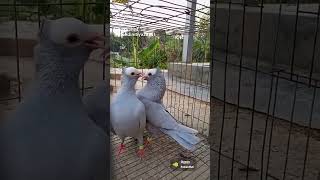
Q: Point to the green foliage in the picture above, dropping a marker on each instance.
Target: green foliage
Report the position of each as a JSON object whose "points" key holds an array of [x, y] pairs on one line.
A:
{"points": [[200, 49], [201, 42], [93, 13], [153, 56], [158, 59], [150, 50], [173, 47], [117, 61], [115, 43]]}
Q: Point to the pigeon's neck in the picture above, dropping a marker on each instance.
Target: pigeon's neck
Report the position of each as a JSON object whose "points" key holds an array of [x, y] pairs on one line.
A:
{"points": [[158, 86], [57, 75], [128, 86], [127, 90], [55, 81]]}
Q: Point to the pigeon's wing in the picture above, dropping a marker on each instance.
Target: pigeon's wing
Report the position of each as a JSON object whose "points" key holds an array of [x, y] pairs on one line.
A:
{"points": [[97, 106], [162, 119], [153, 130], [128, 116], [159, 117]]}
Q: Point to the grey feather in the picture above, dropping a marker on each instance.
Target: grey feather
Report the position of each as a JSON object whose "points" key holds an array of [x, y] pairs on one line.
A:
{"points": [[151, 96], [97, 106], [155, 89], [50, 135]]}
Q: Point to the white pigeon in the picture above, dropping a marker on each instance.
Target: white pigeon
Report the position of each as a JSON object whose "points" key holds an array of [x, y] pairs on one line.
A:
{"points": [[158, 118], [50, 136], [128, 116]]}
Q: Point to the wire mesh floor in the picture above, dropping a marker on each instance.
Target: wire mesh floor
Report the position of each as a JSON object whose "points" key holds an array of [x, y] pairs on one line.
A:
{"points": [[157, 160], [163, 150]]}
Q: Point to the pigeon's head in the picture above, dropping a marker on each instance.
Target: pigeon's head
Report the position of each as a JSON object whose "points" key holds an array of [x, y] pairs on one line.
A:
{"points": [[152, 74], [131, 73], [69, 37]]}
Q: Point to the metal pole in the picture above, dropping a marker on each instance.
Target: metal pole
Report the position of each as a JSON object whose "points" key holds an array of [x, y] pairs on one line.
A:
{"points": [[188, 36]]}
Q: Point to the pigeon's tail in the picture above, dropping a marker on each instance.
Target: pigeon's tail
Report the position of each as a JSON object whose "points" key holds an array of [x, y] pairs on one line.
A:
{"points": [[184, 129], [187, 140]]}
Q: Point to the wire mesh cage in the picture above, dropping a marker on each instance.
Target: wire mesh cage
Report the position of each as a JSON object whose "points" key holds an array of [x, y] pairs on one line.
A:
{"points": [[148, 34], [262, 97], [264, 94], [157, 28]]}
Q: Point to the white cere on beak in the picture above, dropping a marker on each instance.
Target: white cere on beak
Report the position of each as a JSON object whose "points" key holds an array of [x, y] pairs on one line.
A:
{"points": [[68, 31], [131, 71]]}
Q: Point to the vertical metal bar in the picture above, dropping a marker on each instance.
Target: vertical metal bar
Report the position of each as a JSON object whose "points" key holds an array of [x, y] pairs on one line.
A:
{"points": [[173, 65], [194, 89], [213, 15], [195, 92], [272, 121], [61, 8], [266, 127], [213, 21], [83, 69], [185, 78], [239, 89], [167, 95], [202, 89], [309, 129], [314, 46], [106, 15], [38, 13], [108, 46], [277, 35], [271, 89], [294, 39], [176, 83], [255, 88], [290, 130], [224, 88], [17, 48]]}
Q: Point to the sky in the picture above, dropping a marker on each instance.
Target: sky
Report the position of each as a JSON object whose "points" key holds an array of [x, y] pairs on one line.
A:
{"points": [[121, 20]]}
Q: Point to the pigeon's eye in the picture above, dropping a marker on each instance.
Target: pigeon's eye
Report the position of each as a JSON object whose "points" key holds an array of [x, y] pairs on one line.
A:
{"points": [[149, 74], [132, 73], [73, 38]]}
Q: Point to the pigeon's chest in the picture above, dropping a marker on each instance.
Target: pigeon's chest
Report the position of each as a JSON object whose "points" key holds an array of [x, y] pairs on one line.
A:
{"points": [[127, 106], [151, 94], [127, 102]]}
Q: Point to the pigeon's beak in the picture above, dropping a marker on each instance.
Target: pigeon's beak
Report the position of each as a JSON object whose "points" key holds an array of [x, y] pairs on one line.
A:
{"points": [[140, 74], [94, 41], [145, 77]]}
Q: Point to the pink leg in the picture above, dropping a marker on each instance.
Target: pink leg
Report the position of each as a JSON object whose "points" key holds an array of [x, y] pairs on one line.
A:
{"points": [[147, 141], [141, 151], [121, 148]]}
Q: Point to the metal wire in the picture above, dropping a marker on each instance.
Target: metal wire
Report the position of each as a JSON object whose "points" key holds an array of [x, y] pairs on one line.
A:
{"points": [[17, 49], [224, 87], [182, 101], [259, 149], [188, 105]]}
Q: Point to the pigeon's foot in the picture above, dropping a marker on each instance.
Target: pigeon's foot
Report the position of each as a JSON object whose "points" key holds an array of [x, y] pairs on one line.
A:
{"points": [[121, 148], [148, 141], [141, 151]]}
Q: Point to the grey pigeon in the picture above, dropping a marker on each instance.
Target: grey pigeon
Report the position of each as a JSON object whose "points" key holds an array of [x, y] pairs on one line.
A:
{"points": [[158, 118], [97, 106], [50, 136], [128, 116]]}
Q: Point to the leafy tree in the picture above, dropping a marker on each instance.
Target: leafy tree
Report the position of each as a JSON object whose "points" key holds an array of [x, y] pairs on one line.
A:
{"points": [[201, 45]]}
